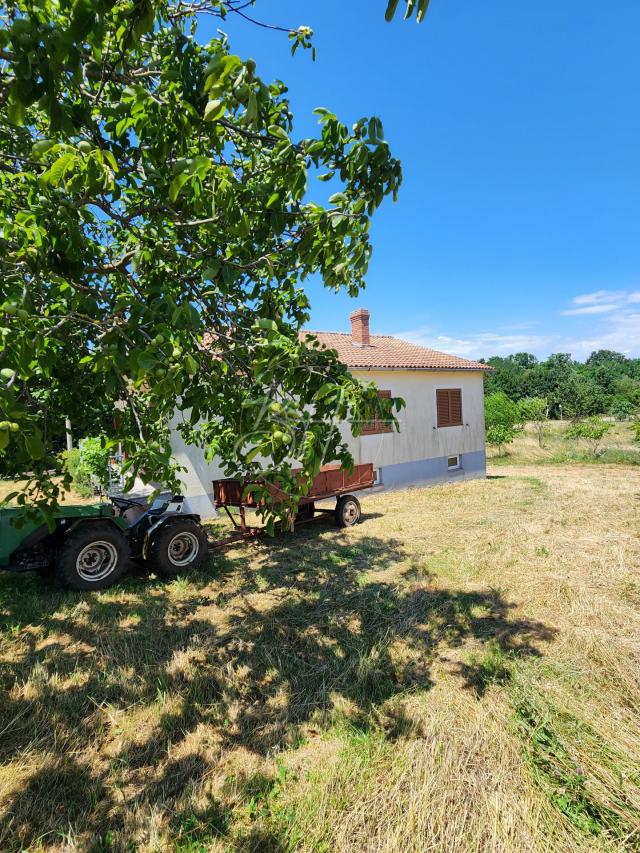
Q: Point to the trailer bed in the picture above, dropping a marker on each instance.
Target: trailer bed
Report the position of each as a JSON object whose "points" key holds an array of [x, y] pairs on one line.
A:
{"points": [[331, 482]]}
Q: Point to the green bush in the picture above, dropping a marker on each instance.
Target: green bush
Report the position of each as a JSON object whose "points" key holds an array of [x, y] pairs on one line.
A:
{"points": [[535, 410], [592, 430], [502, 420], [88, 465], [622, 409]]}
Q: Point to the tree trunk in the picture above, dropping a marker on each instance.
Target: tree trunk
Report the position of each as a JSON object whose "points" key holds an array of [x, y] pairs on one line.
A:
{"points": [[67, 429]]}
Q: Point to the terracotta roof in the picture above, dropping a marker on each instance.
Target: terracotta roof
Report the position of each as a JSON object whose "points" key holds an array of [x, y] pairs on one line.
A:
{"points": [[385, 351]]}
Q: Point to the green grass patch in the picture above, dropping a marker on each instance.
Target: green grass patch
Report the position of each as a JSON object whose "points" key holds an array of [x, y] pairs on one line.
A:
{"points": [[585, 778]]}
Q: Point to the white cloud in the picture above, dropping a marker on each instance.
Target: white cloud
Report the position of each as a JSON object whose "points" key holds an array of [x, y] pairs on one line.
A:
{"points": [[480, 344], [598, 297], [615, 325], [591, 309]]}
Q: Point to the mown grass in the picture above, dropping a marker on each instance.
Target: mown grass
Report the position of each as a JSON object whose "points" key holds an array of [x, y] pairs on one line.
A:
{"points": [[617, 448], [458, 672]]}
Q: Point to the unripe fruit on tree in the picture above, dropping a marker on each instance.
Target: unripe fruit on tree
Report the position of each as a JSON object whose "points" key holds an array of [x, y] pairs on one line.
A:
{"points": [[85, 147], [177, 352], [4, 426], [158, 340], [160, 372], [14, 427], [21, 314], [278, 436], [10, 308], [7, 373]]}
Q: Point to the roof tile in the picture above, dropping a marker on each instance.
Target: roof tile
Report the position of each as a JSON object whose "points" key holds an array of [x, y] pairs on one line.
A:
{"points": [[386, 351]]}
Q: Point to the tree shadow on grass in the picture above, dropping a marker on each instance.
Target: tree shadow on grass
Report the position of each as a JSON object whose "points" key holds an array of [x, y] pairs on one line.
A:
{"points": [[281, 637]]}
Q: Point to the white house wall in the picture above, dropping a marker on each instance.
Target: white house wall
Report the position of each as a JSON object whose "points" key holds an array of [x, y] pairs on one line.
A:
{"points": [[417, 454]]}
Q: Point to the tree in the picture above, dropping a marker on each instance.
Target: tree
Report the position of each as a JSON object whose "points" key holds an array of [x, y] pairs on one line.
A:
{"points": [[622, 409], [605, 356], [592, 430], [536, 411], [154, 235], [502, 420]]}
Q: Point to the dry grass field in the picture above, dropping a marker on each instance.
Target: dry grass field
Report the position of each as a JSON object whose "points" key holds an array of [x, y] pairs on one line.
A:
{"points": [[460, 672], [618, 447], [9, 486]]}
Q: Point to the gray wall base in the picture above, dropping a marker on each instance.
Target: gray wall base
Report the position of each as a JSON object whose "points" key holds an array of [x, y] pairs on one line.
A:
{"points": [[432, 471]]}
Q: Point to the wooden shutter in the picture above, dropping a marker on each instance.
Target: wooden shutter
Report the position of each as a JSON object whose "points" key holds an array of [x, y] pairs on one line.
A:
{"points": [[449, 407], [377, 426]]}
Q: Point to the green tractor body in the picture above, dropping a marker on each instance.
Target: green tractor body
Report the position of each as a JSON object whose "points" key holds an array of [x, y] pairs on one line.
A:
{"points": [[89, 547], [16, 539]]}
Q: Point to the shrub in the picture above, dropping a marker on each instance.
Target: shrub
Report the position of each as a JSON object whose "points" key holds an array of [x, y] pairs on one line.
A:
{"points": [[535, 410], [502, 420], [592, 430], [499, 435], [88, 465], [622, 409]]}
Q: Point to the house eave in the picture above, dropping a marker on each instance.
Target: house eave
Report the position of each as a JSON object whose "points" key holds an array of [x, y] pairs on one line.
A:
{"points": [[369, 368]]}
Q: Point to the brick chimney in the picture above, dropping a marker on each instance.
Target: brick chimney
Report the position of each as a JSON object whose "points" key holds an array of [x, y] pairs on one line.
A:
{"points": [[360, 327]]}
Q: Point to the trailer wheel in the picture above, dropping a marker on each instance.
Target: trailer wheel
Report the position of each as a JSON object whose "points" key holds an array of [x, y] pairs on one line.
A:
{"points": [[347, 511], [93, 556], [177, 547]]}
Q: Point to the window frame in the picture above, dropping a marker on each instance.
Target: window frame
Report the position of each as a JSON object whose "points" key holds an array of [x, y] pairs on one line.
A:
{"points": [[448, 389], [458, 464]]}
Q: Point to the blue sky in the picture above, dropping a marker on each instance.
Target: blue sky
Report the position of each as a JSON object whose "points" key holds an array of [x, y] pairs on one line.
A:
{"points": [[518, 127]]}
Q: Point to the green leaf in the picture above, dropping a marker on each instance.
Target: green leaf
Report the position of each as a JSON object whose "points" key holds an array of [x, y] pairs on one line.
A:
{"points": [[56, 172], [266, 323], [423, 5], [392, 5], [176, 185], [15, 111], [34, 444], [214, 110], [325, 390], [273, 199]]}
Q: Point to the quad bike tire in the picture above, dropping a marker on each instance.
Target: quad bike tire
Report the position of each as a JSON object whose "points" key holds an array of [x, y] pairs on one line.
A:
{"points": [[92, 556], [177, 547]]}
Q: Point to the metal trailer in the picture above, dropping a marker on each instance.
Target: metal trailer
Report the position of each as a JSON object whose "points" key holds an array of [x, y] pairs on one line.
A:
{"points": [[332, 481]]}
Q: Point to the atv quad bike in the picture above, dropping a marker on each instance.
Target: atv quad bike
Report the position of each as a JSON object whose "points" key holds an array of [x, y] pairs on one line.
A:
{"points": [[90, 546]]}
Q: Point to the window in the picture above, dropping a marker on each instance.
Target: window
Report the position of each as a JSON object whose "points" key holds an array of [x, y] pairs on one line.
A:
{"points": [[378, 426], [449, 407], [453, 463]]}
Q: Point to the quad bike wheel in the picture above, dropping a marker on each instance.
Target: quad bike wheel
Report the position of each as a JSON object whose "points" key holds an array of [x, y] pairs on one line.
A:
{"points": [[93, 556], [177, 547]]}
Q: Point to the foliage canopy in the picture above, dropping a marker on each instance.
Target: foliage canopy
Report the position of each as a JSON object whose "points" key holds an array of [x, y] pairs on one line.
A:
{"points": [[607, 382], [157, 221]]}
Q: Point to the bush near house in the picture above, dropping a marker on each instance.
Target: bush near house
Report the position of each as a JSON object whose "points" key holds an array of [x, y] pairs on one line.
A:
{"points": [[88, 465], [502, 420]]}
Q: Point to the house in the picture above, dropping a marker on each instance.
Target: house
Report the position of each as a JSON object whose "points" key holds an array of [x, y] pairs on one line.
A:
{"points": [[441, 437]]}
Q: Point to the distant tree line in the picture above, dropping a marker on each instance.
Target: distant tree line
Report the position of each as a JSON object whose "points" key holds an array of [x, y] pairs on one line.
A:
{"points": [[606, 383]]}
